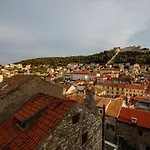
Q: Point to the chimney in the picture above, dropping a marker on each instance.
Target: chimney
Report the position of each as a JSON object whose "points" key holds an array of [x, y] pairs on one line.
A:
{"points": [[89, 99]]}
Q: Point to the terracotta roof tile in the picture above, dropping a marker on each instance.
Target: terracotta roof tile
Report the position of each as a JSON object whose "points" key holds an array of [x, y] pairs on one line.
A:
{"points": [[114, 108], [75, 97], [143, 116], [141, 98], [23, 114], [109, 69], [105, 102], [133, 86], [81, 72], [12, 137], [127, 86]]}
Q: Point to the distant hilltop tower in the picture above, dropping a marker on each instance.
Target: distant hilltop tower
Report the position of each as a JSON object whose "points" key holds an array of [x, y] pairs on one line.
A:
{"points": [[117, 48], [139, 47]]}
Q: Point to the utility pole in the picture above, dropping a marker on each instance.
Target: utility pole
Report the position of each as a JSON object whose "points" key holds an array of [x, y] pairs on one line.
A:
{"points": [[103, 129]]}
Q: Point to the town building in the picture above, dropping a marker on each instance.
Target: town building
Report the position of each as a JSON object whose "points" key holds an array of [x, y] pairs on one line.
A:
{"points": [[112, 111], [82, 75], [50, 123], [128, 90], [133, 129], [18, 89], [140, 102], [67, 88]]}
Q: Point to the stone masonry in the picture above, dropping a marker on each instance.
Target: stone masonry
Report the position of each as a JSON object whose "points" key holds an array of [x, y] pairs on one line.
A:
{"points": [[68, 136], [135, 137], [13, 101]]}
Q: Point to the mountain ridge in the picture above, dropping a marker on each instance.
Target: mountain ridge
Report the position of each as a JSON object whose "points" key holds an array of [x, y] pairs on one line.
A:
{"points": [[131, 54]]}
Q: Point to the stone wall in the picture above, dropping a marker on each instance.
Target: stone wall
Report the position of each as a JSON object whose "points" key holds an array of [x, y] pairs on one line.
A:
{"points": [[10, 103], [135, 137], [68, 136], [110, 129]]}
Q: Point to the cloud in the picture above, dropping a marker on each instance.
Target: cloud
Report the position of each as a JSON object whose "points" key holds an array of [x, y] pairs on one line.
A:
{"points": [[59, 28], [13, 34]]}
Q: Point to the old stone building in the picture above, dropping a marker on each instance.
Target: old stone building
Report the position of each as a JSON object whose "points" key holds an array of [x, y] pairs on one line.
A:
{"points": [[15, 91], [114, 89], [133, 129], [50, 123], [112, 111]]}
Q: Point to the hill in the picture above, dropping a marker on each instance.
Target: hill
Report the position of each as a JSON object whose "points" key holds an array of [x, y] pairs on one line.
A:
{"points": [[130, 54]]}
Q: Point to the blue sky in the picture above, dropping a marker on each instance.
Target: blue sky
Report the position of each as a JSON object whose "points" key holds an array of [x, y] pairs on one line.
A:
{"points": [[42, 28]]}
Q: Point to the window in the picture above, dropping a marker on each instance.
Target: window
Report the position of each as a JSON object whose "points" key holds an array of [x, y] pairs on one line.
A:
{"points": [[84, 138], [140, 133], [75, 119], [147, 148], [110, 126], [107, 126], [120, 140], [101, 111], [133, 120]]}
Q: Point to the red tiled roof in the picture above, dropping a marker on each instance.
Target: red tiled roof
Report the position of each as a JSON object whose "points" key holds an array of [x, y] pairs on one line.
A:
{"points": [[81, 72], [11, 135], [79, 82], [76, 98], [128, 86], [109, 69], [114, 108], [133, 86], [143, 117], [142, 98], [29, 110], [112, 84], [147, 91], [103, 101]]}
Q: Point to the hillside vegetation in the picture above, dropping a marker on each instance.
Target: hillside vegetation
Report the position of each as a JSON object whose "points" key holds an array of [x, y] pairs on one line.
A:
{"points": [[100, 58], [126, 55]]}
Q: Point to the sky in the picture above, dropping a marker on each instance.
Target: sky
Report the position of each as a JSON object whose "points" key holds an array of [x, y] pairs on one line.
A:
{"points": [[45, 28]]}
